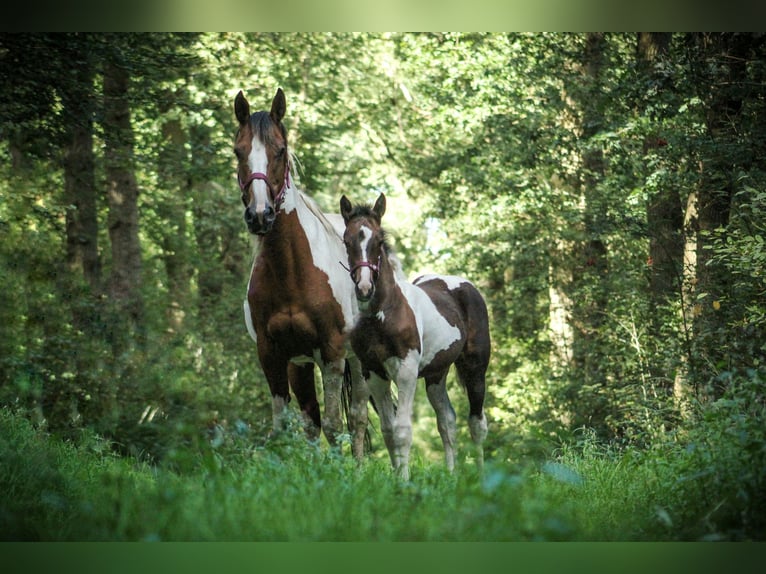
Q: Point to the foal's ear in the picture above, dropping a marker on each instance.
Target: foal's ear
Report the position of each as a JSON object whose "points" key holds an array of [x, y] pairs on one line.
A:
{"points": [[345, 208], [278, 106], [241, 108], [380, 206]]}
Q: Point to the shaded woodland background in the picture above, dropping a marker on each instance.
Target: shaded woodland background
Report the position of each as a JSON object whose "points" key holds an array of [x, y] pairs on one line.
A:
{"points": [[605, 191]]}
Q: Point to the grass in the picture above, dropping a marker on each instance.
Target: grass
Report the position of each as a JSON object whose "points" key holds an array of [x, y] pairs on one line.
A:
{"points": [[293, 490]]}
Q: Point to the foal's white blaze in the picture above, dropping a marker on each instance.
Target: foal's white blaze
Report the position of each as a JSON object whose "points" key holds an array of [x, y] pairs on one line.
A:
{"points": [[258, 161], [365, 283]]}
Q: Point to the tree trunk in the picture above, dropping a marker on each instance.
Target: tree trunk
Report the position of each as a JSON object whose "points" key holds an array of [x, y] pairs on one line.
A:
{"points": [[172, 210], [664, 213], [722, 88], [80, 179], [122, 190], [591, 263]]}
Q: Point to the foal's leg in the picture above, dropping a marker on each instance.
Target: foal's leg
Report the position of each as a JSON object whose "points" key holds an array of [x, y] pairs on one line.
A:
{"points": [[380, 389], [406, 380], [302, 383], [436, 389], [472, 376]]}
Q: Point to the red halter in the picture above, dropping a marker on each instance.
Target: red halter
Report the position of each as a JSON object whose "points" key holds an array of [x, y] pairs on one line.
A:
{"points": [[280, 197]]}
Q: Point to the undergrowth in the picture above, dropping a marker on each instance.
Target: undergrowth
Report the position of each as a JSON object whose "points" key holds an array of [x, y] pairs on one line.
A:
{"points": [[704, 483]]}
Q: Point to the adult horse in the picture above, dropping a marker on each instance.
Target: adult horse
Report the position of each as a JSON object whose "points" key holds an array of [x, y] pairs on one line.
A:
{"points": [[300, 304], [411, 330]]}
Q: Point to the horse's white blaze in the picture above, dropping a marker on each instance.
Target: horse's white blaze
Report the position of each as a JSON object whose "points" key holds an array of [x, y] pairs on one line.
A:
{"points": [[436, 334], [258, 161]]}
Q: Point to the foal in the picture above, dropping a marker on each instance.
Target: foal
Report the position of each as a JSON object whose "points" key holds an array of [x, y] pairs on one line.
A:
{"points": [[406, 331]]}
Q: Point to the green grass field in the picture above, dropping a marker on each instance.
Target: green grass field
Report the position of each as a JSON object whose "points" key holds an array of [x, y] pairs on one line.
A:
{"points": [[706, 488]]}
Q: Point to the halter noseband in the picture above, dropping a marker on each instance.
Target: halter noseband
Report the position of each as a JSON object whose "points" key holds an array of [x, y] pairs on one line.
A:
{"points": [[280, 197], [375, 268]]}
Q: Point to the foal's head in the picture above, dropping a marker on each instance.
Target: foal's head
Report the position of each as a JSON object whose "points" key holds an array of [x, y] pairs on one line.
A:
{"points": [[262, 161], [365, 242]]}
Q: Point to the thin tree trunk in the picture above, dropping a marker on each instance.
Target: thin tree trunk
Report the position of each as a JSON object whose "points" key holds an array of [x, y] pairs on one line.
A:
{"points": [[591, 257], [122, 190], [172, 209]]}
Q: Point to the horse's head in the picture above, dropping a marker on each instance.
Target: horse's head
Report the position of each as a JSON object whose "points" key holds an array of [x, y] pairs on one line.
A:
{"points": [[365, 242], [263, 165]]}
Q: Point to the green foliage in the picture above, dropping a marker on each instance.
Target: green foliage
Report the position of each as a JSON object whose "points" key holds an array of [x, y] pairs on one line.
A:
{"points": [[703, 486], [506, 158]]}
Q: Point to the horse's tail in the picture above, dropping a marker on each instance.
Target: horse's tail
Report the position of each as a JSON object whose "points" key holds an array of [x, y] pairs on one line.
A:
{"points": [[346, 400]]}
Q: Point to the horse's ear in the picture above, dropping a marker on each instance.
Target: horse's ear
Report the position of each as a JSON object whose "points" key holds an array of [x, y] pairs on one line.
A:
{"points": [[241, 108], [380, 206], [345, 208], [278, 106]]}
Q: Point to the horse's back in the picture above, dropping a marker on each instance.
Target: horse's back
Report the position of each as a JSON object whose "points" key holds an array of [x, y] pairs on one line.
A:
{"points": [[461, 303]]}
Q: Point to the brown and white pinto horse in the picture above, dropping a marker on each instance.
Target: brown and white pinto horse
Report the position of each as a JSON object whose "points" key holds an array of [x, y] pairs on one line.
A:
{"points": [[300, 304], [410, 330]]}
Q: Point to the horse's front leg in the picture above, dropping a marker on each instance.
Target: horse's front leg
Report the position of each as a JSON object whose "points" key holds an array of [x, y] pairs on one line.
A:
{"points": [[302, 383], [275, 370]]}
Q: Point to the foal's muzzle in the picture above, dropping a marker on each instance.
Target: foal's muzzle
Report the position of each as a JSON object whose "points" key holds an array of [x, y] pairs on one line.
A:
{"points": [[364, 287]]}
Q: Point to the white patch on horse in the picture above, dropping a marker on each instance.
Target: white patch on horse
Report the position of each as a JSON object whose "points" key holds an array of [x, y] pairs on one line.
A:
{"points": [[436, 334], [405, 369], [327, 249], [249, 322], [381, 316], [451, 281]]}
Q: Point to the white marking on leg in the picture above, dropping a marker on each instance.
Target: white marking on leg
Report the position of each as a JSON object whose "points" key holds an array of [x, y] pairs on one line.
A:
{"points": [[478, 428], [405, 374]]}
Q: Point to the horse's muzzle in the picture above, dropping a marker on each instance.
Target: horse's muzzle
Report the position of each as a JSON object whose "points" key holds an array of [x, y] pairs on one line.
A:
{"points": [[260, 223]]}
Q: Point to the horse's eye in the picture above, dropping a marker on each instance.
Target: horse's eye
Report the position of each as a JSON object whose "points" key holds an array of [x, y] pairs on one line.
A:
{"points": [[281, 151]]}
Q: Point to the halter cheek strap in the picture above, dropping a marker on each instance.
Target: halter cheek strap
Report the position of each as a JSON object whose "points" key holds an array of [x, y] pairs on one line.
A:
{"points": [[280, 197]]}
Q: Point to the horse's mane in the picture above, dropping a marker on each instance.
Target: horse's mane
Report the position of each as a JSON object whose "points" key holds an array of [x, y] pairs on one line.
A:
{"points": [[367, 212], [309, 201]]}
